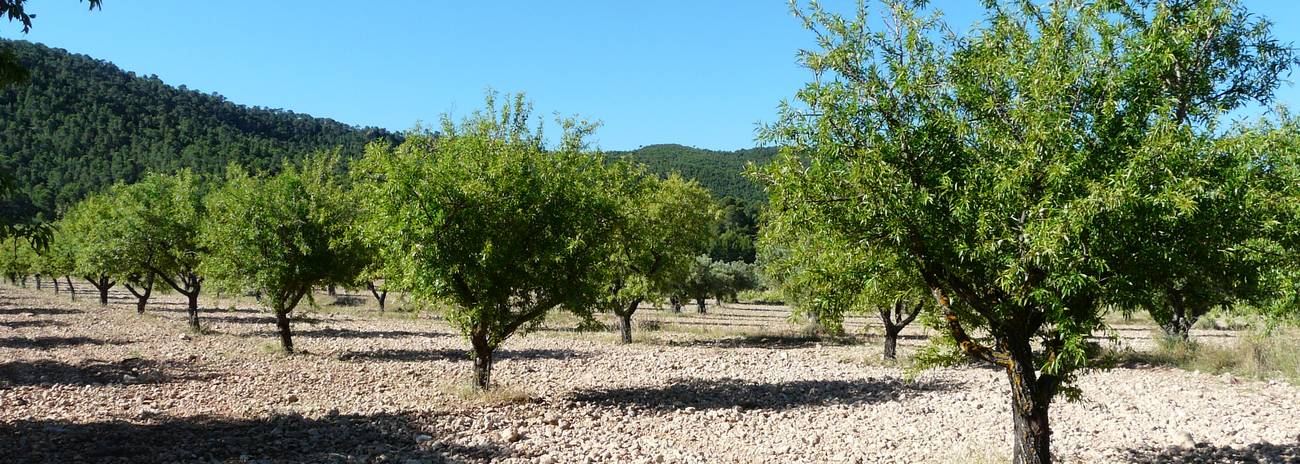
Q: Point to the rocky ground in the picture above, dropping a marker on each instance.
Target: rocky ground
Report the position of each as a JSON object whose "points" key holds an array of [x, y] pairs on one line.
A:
{"points": [[81, 383]]}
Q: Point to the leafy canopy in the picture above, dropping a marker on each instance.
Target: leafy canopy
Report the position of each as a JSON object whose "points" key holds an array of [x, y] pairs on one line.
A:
{"points": [[484, 217]]}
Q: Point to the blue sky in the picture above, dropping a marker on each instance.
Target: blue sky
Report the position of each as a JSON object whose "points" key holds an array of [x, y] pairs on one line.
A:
{"points": [[700, 73]]}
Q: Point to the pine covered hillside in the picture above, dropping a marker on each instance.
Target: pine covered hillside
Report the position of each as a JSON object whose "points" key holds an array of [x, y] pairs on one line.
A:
{"points": [[80, 124], [722, 172]]}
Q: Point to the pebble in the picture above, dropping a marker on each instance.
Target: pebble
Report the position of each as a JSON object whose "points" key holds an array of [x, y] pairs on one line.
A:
{"points": [[584, 398]]}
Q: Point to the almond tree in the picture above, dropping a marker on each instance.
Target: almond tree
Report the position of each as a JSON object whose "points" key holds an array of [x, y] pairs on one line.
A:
{"points": [[662, 225], [163, 214], [1012, 167], [488, 219], [280, 235], [827, 277], [87, 232]]}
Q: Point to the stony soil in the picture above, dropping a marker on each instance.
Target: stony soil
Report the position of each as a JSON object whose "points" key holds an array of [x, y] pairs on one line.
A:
{"points": [[81, 383]]}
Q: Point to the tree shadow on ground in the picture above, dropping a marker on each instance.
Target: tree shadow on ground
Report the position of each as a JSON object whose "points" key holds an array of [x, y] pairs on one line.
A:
{"points": [[401, 355], [32, 323], [744, 394], [772, 341], [1204, 452], [93, 372], [350, 333], [284, 438], [39, 311], [45, 343]]}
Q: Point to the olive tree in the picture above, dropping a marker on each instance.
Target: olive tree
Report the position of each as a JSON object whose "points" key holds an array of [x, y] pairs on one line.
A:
{"points": [[1011, 166], [280, 235], [662, 225], [488, 219]]}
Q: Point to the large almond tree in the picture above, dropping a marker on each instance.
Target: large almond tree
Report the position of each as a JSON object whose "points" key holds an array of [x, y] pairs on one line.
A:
{"points": [[488, 219], [1013, 167]]}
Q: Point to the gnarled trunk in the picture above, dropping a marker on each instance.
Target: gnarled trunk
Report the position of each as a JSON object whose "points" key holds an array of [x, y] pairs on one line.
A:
{"points": [[71, 290], [193, 308], [286, 333], [625, 320], [1030, 399], [699, 302], [380, 295], [102, 284], [1179, 325], [891, 343], [676, 303], [483, 351], [894, 323], [142, 295], [55, 280]]}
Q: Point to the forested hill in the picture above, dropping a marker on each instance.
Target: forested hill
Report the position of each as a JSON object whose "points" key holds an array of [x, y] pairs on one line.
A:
{"points": [[81, 124], [722, 172]]}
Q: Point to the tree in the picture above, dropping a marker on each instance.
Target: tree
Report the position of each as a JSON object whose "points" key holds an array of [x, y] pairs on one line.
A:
{"points": [[662, 225], [163, 215], [698, 283], [280, 235], [88, 231], [1191, 60], [485, 217], [1011, 167], [827, 277]]}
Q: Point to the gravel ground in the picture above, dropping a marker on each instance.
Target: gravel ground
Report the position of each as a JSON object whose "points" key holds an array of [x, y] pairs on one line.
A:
{"points": [[81, 383]]}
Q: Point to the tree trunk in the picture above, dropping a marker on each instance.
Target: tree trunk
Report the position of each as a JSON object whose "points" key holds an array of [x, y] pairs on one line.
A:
{"points": [[102, 285], [625, 319], [330, 289], [56, 285], [141, 296], [625, 327], [380, 296], [676, 304], [71, 290], [38, 282], [193, 308], [891, 343], [1029, 407], [286, 334], [482, 360], [1180, 323], [699, 302]]}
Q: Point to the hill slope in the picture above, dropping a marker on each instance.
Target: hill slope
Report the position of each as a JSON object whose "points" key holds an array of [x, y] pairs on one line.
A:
{"points": [[722, 172], [81, 124]]}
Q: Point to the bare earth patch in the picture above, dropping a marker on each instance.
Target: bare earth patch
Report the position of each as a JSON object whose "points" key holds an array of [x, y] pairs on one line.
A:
{"points": [[80, 383]]}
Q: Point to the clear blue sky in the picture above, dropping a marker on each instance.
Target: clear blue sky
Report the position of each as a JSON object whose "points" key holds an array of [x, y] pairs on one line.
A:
{"points": [[699, 73]]}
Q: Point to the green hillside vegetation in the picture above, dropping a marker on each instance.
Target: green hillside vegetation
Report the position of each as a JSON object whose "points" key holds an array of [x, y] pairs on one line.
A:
{"points": [[80, 124], [722, 172]]}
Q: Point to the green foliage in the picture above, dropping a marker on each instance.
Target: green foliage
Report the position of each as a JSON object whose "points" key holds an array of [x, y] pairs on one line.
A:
{"points": [[721, 172], [280, 235], [662, 224], [736, 232], [483, 216], [80, 125], [91, 231], [707, 278], [827, 277], [1017, 167]]}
